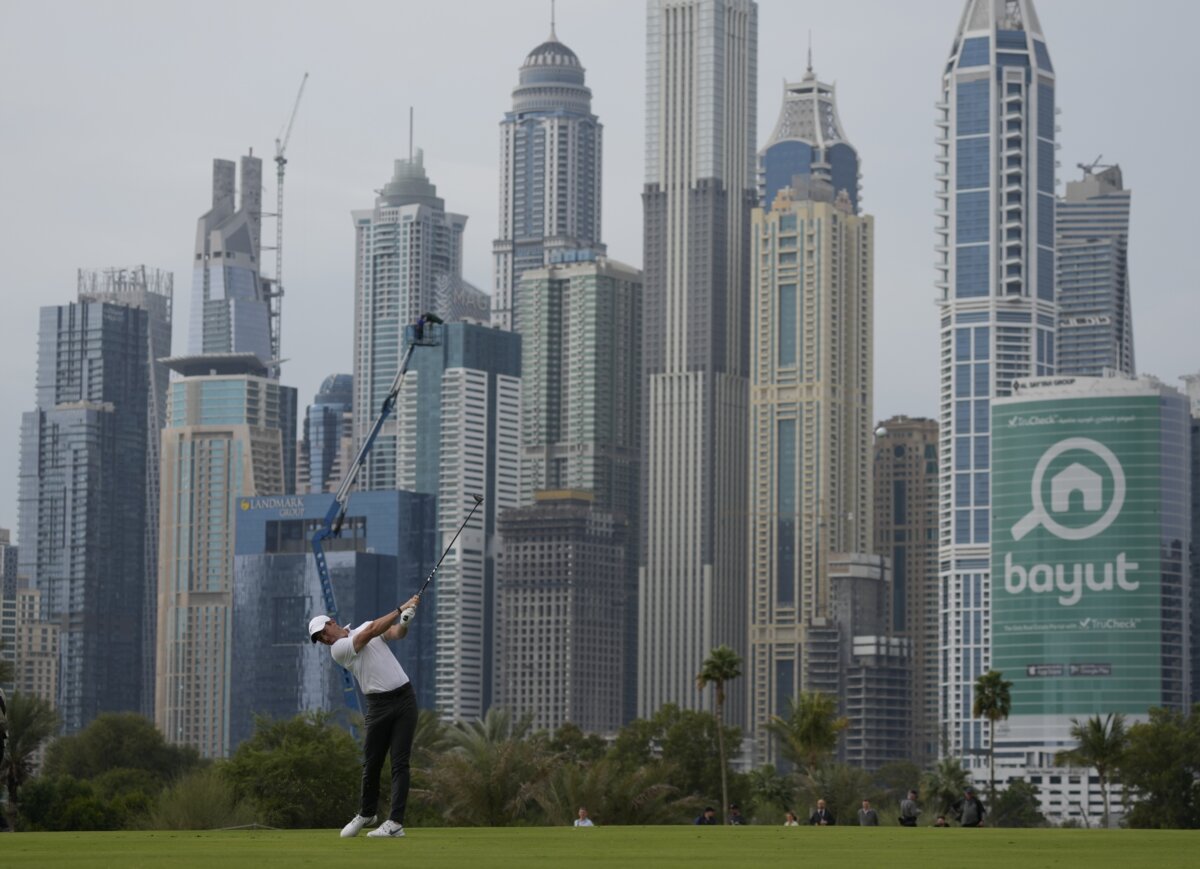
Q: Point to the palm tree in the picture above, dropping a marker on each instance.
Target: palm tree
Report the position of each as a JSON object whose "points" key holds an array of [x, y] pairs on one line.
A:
{"points": [[487, 776], [722, 665], [31, 721], [1102, 742], [613, 794], [943, 785], [809, 733], [993, 701]]}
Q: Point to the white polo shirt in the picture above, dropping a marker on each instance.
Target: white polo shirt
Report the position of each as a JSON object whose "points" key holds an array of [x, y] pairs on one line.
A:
{"points": [[374, 665]]}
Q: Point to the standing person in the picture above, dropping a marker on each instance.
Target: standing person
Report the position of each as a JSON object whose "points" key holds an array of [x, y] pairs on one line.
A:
{"points": [[909, 810], [867, 816], [736, 818], [821, 817], [970, 809], [391, 709], [706, 818], [789, 820], [583, 820], [3, 753]]}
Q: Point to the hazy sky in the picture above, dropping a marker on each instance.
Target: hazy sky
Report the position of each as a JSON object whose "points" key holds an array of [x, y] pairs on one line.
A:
{"points": [[111, 114]]}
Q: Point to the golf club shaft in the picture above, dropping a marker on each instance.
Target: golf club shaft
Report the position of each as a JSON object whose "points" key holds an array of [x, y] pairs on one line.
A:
{"points": [[429, 579]]}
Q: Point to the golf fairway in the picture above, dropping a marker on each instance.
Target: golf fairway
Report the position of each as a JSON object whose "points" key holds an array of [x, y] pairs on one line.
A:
{"points": [[888, 848]]}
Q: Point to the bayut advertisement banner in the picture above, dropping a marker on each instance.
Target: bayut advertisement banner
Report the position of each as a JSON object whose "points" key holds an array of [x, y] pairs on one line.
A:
{"points": [[1075, 553]]}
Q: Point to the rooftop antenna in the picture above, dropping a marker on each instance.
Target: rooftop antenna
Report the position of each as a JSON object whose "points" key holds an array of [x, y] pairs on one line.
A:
{"points": [[810, 50], [410, 134], [552, 35]]}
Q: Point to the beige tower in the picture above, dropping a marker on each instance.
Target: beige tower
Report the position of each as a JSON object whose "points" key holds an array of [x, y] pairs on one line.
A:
{"points": [[810, 429], [223, 442]]}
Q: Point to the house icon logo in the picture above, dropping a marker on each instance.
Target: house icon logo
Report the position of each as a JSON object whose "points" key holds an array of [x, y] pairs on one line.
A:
{"points": [[1075, 479]]}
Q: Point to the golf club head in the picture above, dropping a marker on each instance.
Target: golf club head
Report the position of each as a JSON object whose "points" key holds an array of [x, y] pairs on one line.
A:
{"points": [[478, 499]]}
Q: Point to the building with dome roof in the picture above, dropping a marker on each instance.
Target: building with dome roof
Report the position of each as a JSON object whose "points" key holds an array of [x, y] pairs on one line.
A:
{"points": [[550, 153]]}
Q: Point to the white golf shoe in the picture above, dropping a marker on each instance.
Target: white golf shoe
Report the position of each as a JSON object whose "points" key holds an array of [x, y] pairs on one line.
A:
{"points": [[352, 829], [388, 829]]}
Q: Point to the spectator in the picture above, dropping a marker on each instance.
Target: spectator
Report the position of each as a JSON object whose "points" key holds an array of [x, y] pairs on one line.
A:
{"points": [[789, 819], [969, 811], [940, 821], [909, 810], [736, 818], [867, 816], [821, 817], [583, 820], [707, 818]]}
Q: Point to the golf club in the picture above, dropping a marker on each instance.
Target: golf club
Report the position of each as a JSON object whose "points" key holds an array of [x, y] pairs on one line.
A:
{"points": [[406, 615]]}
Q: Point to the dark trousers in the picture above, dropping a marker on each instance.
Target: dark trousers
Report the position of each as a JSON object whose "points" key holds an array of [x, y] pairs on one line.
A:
{"points": [[391, 723]]}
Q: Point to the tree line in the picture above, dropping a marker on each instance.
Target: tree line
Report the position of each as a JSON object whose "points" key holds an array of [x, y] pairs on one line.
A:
{"points": [[304, 772]]}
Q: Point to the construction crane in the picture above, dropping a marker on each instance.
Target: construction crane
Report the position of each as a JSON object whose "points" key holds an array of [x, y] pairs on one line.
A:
{"points": [[275, 293]]}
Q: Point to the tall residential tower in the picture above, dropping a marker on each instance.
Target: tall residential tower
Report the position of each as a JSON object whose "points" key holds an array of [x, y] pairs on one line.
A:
{"points": [[701, 79], [995, 262], [550, 151], [405, 247], [811, 390], [1095, 312]]}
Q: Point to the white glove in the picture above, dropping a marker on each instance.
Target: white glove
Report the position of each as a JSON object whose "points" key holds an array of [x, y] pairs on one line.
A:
{"points": [[406, 616]]}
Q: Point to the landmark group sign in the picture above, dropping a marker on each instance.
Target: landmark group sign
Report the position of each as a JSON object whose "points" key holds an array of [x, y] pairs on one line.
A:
{"points": [[1076, 598]]}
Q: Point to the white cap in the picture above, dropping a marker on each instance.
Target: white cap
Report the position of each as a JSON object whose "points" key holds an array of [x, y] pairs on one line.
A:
{"points": [[317, 624]]}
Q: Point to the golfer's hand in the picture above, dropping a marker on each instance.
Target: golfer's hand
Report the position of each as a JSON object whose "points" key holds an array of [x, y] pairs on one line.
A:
{"points": [[411, 603]]}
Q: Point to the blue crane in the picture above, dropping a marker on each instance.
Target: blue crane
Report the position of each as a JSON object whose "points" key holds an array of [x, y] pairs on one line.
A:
{"points": [[422, 333]]}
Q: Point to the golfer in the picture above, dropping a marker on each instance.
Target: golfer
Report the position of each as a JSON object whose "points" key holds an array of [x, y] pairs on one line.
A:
{"points": [[391, 709]]}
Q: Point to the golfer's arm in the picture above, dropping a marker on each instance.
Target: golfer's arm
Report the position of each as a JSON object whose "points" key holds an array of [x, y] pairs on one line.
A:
{"points": [[375, 629]]}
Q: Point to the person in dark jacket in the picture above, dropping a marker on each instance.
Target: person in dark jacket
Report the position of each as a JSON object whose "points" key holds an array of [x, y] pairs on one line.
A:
{"points": [[970, 810], [909, 810], [736, 818], [706, 818], [821, 817]]}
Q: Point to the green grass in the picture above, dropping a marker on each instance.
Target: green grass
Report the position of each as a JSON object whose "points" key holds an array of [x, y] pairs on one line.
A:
{"points": [[889, 848]]}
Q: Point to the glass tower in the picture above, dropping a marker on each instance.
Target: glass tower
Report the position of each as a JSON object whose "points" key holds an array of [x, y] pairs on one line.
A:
{"points": [[550, 154], [328, 435], [458, 420], [230, 310], [995, 262], [1095, 312], [82, 507], [405, 248]]}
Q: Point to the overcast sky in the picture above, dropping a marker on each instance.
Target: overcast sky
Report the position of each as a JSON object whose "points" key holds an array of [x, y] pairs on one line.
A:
{"points": [[111, 114]]}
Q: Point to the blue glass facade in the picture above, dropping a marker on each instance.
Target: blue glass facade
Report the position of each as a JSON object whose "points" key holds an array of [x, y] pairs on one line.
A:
{"points": [[387, 547], [808, 143], [82, 502]]}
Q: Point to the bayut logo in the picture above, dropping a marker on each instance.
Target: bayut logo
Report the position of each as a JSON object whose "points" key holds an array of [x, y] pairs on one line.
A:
{"points": [[1070, 580]]}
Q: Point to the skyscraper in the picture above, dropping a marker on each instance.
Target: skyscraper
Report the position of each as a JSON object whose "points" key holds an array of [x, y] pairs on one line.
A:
{"points": [[230, 435], [82, 507], [457, 433], [383, 554], [581, 348], [995, 262], [562, 593], [152, 290], [328, 441], [581, 381], [230, 311], [906, 529], [550, 155], [404, 246], [701, 79], [1095, 312], [1090, 565], [811, 391]]}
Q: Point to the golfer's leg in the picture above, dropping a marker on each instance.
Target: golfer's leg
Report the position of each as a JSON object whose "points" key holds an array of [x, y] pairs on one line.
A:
{"points": [[404, 727], [375, 746]]}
